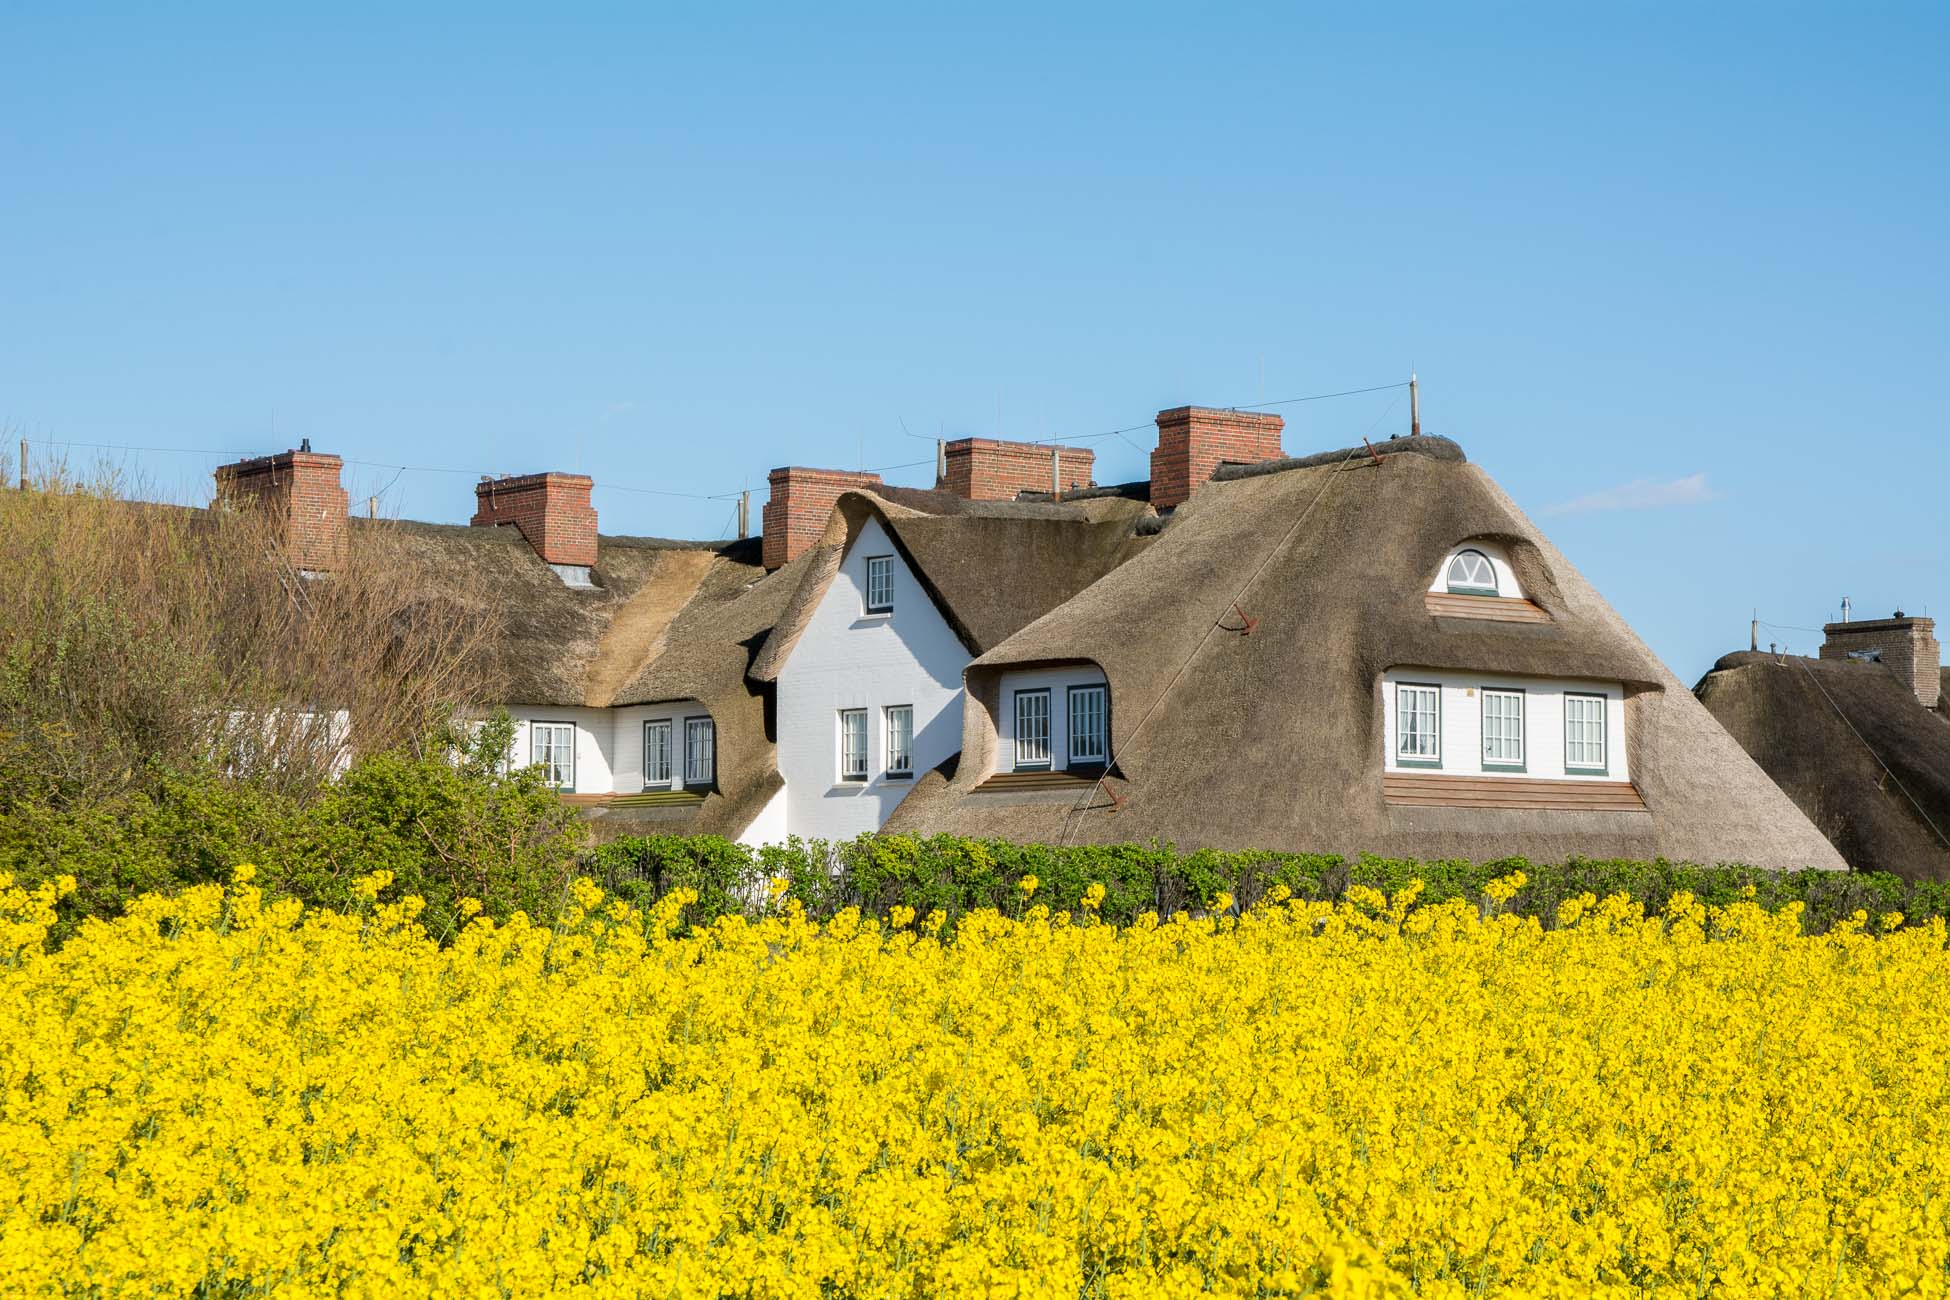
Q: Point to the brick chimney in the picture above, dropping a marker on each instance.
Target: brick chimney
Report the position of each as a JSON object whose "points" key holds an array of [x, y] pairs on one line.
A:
{"points": [[301, 491], [551, 510], [800, 503], [1192, 440], [1906, 645], [989, 469]]}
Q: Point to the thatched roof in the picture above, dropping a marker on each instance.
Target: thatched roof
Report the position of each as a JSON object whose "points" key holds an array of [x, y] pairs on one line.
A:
{"points": [[560, 645], [991, 567], [1273, 739], [666, 620], [1852, 746]]}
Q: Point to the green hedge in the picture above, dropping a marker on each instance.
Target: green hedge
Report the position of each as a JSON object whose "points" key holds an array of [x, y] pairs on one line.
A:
{"points": [[879, 872]]}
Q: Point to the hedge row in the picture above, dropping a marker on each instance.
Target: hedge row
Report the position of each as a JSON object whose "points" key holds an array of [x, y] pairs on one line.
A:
{"points": [[876, 873]]}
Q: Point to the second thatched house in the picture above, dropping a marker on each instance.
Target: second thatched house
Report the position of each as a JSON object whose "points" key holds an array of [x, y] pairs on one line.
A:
{"points": [[1858, 737]]}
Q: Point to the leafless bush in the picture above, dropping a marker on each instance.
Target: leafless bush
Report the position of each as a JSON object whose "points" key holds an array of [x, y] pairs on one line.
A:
{"points": [[132, 631]]}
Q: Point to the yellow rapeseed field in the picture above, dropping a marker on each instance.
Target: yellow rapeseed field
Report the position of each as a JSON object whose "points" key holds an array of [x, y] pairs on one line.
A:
{"points": [[224, 1096]]}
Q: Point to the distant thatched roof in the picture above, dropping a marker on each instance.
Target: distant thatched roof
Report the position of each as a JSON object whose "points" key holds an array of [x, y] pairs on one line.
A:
{"points": [[990, 566], [561, 645], [1273, 740], [1845, 739]]}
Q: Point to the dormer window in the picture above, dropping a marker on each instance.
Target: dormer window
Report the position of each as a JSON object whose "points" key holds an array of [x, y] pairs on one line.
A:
{"points": [[880, 584], [1471, 574]]}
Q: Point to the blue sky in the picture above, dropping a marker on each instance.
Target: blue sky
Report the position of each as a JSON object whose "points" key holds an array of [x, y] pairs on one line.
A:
{"points": [[1674, 274]]}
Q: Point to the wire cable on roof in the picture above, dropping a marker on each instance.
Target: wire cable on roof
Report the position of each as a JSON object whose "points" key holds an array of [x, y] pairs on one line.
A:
{"points": [[1935, 829], [1215, 625]]}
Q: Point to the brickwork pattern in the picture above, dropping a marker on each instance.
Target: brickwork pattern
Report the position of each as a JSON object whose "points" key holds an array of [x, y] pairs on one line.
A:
{"points": [[301, 490], [551, 510], [1908, 645], [1193, 440], [800, 502], [991, 469]]}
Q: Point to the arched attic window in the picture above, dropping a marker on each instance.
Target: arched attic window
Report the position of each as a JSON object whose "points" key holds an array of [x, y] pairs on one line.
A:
{"points": [[1470, 573]]}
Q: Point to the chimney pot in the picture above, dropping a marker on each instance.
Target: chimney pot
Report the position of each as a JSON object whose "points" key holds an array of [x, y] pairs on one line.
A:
{"points": [[1194, 440], [301, 490], [800, 502], [991, 469], [551, 510], [1906, 646]]}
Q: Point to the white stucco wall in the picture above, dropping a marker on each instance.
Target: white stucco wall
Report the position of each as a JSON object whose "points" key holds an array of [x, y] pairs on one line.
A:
{"points": [[1056, 681], [769, 827], [849, 659], [1499, 558], [1460, 729], [609, 742]]}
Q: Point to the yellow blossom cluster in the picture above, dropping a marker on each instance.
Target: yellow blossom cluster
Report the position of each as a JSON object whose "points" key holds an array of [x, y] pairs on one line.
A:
{"points": [[221, 1095]]}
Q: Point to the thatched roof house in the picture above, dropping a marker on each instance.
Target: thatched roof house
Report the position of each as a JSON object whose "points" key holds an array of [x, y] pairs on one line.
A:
{"points": [[1352, 653], [1853, 745]]}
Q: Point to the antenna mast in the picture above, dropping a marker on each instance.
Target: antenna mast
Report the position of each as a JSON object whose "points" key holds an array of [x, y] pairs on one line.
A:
{"points": [[1414, 407]]}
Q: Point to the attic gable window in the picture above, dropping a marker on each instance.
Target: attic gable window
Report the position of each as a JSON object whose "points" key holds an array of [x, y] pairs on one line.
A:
{"points": [[880, 584], [1471, 574]]}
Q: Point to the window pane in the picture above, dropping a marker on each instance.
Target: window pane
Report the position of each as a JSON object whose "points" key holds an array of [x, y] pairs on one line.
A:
{"points": [[700, 751], [1502, 727], [554, 746], [1472, 569], [880, 582], [1087, 715], [853, 744], [1032, 728], [1584, 731], [900, 739], [656, 753], [1415, 724]]}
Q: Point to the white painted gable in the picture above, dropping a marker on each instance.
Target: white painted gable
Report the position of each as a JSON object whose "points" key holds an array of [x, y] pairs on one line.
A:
{"points": [[848, 659]]}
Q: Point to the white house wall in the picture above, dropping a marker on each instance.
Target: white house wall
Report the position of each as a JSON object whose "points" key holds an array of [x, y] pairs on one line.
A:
{"points": [[769, 827], [1460, 723], [847, 658]]}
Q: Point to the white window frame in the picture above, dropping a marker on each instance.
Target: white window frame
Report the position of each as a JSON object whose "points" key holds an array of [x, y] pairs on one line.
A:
{"points": [[1099, 754], [663, 782], [1028, 757], [879, 595], [853, 722], [550, 765], [1402, 709], [704, 726], [1517, 764], [900, 758], [1470, 588], [1603, 765]]}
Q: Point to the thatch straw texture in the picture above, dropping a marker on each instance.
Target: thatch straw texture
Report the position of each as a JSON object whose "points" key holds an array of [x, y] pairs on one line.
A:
{"points": [[1274, 739], [1852, 746]]}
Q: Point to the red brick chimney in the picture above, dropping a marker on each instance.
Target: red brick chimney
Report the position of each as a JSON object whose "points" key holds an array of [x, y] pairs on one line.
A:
{"points": [[989, 469], [1904, 644], [301, 491], [551, 510], [801, 501], [1192, 440]]}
